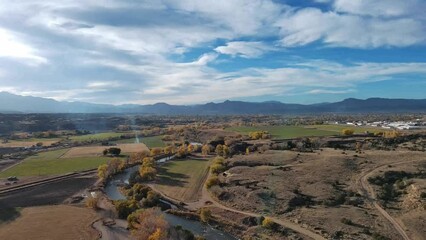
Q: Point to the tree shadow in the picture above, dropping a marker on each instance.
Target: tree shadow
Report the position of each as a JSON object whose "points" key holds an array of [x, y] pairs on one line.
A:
{"points": [[8, 214], [165, 177]]}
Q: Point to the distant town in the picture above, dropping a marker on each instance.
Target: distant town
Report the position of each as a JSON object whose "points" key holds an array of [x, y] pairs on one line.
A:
{"points": [[399, 125]]}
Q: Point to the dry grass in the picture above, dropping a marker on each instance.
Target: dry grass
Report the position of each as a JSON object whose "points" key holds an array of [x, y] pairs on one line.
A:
{"points": [[97, 150], [51, 222], [269, 189], [29, 142], [416, 222]]}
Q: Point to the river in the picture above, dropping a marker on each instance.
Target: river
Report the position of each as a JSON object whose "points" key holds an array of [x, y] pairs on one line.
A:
{"points": [[210, 233]]}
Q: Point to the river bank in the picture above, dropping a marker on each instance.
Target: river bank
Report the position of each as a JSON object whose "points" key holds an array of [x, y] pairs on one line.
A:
{"points": [[111, 189]]}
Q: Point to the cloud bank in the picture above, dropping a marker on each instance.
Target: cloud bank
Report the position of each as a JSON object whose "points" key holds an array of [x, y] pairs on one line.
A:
{"points": [[199, 51]]}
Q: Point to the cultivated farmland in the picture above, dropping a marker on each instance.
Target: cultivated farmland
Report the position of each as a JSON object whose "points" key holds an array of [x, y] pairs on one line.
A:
{"points": [[52, 163], [91, 151], [30, 142]]}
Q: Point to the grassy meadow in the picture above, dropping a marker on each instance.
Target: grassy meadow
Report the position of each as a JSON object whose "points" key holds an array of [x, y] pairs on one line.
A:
{"points": [[150, 142], [183, 179]]}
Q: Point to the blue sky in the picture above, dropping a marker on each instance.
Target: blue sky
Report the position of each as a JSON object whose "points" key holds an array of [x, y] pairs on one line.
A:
{"points": [[188, 51]]}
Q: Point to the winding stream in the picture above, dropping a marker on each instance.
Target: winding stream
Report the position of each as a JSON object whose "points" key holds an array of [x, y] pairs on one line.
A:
{"points": [[210, 233]]}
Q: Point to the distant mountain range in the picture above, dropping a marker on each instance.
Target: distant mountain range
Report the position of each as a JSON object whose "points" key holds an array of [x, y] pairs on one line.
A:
{"points": [[11, 103]]}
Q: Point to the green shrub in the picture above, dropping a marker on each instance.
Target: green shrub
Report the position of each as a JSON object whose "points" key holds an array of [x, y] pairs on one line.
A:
{"points": [[346, 221]]}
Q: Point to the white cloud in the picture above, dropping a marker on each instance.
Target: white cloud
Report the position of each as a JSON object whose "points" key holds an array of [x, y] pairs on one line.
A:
{"points": [[386, 8], [244, 49], [103, 85], [205, 59], [328, 91], [11, 46], [243, 17], [189, 83], [310, 24], [133, 59]]}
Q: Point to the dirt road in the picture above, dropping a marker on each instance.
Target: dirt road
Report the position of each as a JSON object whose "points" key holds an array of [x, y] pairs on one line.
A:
{"points": [[206, 197], [366, 190]]}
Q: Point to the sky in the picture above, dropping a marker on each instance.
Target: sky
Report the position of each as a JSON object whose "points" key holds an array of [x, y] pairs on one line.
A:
{"points": [[199, 51]]}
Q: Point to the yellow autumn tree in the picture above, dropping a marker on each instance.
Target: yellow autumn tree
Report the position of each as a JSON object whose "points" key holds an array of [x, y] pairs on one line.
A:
{"points": [[157, 235], [103, 171], [205, 150], [347, 131], [150, 224], [219, 150]]}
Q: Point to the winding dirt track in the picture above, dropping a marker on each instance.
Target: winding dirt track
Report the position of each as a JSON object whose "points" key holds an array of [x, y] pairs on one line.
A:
{"points": [[366, 190], [206, 197], [285, 223]]}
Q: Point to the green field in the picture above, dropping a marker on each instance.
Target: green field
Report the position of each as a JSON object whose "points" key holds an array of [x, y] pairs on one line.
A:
{"points": [[182, 179], [50, 163], [126, 140], [338, 128], [301, 131], [152, 142], [96, 136]]}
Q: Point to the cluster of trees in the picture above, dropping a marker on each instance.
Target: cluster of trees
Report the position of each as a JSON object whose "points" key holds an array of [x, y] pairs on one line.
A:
{"points": [[186, 149], [149, 224], [391, 134], [139, 196], [388, 134], [138, 157], [144, 195], [180, 152], [259, 135], [218, 166], [206, 149], [393, 182], [112, 167], [112, 151], [125, 207], [147, 170], [47, 134], [222, 150]]}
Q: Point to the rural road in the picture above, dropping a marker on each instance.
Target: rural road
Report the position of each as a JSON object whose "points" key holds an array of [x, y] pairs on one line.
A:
{"points": [[285, 223], [368, 191], [206, 197]]}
